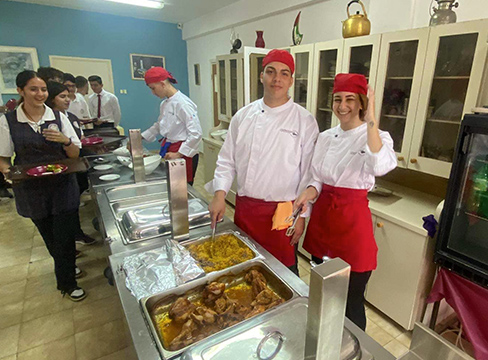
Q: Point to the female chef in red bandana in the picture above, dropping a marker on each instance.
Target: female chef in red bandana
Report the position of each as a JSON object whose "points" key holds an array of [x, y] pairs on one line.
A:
{"points": [[345, 162]]}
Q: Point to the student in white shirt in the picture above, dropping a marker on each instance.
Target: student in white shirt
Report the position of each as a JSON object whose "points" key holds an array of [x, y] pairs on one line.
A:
{"points": [[77, 105], [103, 105], [345, 162], [268, 148], [81, 83], [178, 122]]}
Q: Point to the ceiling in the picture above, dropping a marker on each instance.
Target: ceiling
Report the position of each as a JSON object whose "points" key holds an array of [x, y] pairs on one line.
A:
{"points": [[174, 11]]}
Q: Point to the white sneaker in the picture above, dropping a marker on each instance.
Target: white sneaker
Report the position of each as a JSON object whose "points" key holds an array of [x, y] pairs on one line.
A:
{"points": [[76, 294], [78, 272]]}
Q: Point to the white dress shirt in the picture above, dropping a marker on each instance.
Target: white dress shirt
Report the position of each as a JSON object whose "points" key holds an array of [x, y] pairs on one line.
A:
{"points": [[343, 159], [6, 143], [110, 109], [79, 107], [270, 151], [178, 121]]}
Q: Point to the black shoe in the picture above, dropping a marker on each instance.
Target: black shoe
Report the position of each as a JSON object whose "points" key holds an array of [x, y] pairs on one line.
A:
{"points": [[75, 294], [4, 193], [85, 240], [77, 254]]}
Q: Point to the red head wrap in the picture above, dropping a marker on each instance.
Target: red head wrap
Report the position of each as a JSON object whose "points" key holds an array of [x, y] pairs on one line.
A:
{"points": [[355, 83], [281, 56], [157, 74]]}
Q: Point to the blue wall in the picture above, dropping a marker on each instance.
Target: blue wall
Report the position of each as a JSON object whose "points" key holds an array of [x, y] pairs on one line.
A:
{"points": [[66, 32]]}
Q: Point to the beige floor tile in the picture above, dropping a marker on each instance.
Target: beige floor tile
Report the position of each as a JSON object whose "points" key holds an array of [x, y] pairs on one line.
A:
{"points": [[13, 292], [90, 315], [97, 288], [305, 263], [46, 329], [37, 241], [396, 348], [41, 267], [39, 253], [128, 353], [11, 357], [93, 268], [101, 341], [306, 278], [14, 258], [385, 322], [405, 339], [11, 314], [45, 304], [63, 349], [9, 339], [39, 285], [303, 271], [13, 273], [377, 333]]}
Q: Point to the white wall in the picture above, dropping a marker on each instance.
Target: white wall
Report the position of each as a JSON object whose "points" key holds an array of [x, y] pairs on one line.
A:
{"points": [[208, 36]]}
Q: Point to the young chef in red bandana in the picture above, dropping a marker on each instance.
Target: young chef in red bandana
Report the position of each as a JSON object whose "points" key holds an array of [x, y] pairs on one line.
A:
{"points": [[269, 148], [345, 162], [178, 121]]}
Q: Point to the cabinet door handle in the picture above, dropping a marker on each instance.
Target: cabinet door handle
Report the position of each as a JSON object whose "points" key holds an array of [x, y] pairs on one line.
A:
{"points": [[380, 224], [413, 161], [401, 158]]}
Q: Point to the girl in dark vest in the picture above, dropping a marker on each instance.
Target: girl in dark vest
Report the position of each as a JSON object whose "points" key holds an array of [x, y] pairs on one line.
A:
{"points": [[58, 99], [37, 134]]}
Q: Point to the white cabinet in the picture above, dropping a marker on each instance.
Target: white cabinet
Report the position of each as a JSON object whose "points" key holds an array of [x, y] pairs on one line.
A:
{"points": [[327, 59], [401, 64], [301, 90], [230, 83], [451, 82], [211, 153], [400, 284]]}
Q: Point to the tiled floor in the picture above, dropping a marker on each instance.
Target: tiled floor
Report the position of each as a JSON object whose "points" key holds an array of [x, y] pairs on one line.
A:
{"points": [[36, 323]]}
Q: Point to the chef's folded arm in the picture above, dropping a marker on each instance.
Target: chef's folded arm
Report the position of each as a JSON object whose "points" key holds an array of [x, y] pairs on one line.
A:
{"points": [[383, 161]]}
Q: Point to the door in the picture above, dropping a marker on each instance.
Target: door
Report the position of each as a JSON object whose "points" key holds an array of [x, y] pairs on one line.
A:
{"points": [[451, 84], [399, 79], [301, 90], [86, 67], [327, 63]]}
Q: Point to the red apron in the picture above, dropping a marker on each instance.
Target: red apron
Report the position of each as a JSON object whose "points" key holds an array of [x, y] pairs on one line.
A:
{"points": [[255, 217], [341, 226], [174, 147]]}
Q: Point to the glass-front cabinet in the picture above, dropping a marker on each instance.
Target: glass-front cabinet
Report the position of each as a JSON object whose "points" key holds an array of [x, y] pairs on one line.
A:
{"points": [[302, 86], [327, 56], [361, 55], [449, 89], [230, 85], [222, 97], [402, 57], [253, 66]]}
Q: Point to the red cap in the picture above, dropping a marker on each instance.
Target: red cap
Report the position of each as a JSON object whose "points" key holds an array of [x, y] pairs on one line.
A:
{"points": [[355, 83], [157, 74], [281, 56]]}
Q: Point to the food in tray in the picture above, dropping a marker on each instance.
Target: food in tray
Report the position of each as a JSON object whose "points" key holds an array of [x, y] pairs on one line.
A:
{"points": [[227, 250], [54, 168], [193, 318], [51, 169]]}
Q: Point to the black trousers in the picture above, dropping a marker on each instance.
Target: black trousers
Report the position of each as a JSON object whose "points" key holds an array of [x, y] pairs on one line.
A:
{"points": [[355, 296], [194, 165], [3, 182], [58, 233]]}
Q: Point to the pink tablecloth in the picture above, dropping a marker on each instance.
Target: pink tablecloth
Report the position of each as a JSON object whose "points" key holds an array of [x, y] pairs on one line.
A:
{"points": [[470, 301]]}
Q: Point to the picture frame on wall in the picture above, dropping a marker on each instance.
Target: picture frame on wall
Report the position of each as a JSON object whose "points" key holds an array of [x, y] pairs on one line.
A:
{"points": [[13, 60], [196, 67], [140, 63]]}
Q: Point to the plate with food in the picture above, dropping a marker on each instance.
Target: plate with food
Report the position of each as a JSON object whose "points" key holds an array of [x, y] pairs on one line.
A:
{"points": [[51, 169], [91, 141]]}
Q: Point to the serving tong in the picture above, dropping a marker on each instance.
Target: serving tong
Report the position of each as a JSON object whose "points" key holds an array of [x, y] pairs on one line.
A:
{"points": [[294, 218]]}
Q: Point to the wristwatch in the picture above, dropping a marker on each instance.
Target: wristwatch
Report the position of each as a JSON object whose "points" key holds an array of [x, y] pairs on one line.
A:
{"points": [[69, 142]]}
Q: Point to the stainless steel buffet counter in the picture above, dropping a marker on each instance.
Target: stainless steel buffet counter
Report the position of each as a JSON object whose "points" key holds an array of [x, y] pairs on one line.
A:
{"points": [[144, 343]]}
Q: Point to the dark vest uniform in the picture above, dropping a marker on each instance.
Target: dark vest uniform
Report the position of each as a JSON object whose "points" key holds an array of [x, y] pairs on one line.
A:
{"points": [[41, 197], [76, 123]]}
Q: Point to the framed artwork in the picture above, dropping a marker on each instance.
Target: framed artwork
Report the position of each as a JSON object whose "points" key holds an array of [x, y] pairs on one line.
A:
{"points": [[196, 67], [13, 60], [139, 64]]}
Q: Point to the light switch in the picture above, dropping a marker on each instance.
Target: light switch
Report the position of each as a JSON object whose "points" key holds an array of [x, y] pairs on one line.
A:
{"points": [[121, 91]]}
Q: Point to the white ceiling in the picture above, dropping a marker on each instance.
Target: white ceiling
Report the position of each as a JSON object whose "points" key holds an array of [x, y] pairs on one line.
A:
{"points": [[174, 11]]}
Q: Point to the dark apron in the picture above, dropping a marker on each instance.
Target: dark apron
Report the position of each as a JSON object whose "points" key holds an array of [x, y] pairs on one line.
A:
{"points": [[45, 196]]}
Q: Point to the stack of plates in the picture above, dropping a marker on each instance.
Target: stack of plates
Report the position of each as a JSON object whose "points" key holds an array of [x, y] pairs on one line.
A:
{"points": [[217, 134]]}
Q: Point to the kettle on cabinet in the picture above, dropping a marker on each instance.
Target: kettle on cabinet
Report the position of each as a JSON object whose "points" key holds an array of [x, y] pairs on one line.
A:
{"points": [[357, 24]]}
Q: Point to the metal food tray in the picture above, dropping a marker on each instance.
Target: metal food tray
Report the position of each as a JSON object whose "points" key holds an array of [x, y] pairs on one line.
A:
{"points": [[192, 290], [244, 240], [147, 221]]}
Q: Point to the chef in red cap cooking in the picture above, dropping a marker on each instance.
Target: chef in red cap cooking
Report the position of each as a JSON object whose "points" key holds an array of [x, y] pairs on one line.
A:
{"points": [[269, 149], [178, 122], [345, 162]]}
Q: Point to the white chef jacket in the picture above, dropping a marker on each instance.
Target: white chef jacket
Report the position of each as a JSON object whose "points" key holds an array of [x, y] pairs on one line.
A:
{"points": [[178, 121], [270, 150], [110, 109], [79, 107], [343, 159], [6, 143]]}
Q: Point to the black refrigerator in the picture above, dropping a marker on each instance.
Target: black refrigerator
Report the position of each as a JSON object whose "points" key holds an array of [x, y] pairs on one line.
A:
{"points": [[462, 239]]}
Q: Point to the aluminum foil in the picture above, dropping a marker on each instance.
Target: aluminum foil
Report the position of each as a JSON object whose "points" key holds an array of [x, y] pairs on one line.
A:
{"points": [[157, 270]]}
